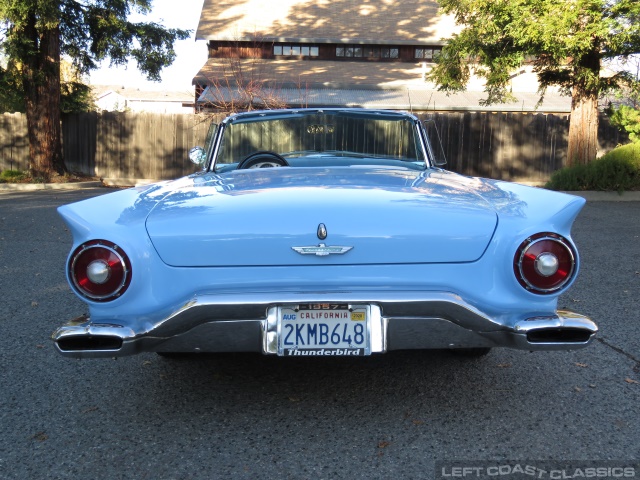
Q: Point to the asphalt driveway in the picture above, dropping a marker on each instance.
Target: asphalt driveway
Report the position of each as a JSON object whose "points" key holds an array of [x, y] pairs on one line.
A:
{"points": [[249, 416]]}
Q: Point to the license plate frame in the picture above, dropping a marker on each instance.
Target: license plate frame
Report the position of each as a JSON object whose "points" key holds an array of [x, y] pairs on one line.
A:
{"points": [[324, 329]]}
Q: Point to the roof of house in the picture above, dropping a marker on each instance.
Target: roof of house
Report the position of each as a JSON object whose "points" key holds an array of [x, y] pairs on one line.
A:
{"points": [[424, 99], [396, 85], [311, 72], [325, 21]]}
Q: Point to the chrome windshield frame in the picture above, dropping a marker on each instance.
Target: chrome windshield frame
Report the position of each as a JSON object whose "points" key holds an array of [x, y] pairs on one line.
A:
{"points": [[222, 127]]}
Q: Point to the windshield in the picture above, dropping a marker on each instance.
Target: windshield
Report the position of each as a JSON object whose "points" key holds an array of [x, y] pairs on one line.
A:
{"points": [[324, 139]]}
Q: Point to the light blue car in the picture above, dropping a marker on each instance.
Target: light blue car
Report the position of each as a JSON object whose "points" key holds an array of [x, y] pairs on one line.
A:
{"points": [[322, 232]]}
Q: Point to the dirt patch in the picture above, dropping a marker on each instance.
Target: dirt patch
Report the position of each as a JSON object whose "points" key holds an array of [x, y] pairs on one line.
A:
{"points": [[71, 177]]}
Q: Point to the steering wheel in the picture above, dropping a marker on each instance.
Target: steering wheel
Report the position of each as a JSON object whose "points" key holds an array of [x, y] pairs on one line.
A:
{"points": [[263, 159]]}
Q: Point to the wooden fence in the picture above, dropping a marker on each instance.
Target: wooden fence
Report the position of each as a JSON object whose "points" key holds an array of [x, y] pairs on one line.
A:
{"points": [[131, 145], [14, 144], [509, 146], [113, 144]]}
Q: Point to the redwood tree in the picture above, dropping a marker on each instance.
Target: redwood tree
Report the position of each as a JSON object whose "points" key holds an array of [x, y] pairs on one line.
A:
{"points": [[565, 41], [36, 33]]}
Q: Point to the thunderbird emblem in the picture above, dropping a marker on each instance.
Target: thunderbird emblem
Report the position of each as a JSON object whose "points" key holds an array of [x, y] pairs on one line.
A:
{"points": [[322, 250]]}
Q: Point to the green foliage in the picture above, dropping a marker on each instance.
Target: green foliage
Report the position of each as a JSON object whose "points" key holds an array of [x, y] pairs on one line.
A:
{"points": [[12, 176], [626, 119], [97, 30], [565, 42], [618, 170], [76, 97], [10, 98], [90, 32], [36, 35]]}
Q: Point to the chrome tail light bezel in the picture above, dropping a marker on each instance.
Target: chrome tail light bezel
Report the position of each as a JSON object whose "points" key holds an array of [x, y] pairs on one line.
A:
{"points": [[524, 264], [111, 288]]}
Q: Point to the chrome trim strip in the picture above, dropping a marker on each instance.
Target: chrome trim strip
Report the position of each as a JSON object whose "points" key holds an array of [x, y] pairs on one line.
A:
{"points": [[322, 250], [378, 332], [425, 144], [270, 332], [562, 319], [398, 321]]}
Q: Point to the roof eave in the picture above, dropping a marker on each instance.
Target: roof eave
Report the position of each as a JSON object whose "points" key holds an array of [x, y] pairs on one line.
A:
{"points": [[311, 40]]}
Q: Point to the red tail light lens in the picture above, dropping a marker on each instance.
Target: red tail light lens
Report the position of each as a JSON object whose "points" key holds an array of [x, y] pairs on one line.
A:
{"points": [[100, 270], [544, 263]]}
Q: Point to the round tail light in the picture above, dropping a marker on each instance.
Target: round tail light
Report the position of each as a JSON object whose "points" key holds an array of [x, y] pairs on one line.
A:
{"points": [[544, 263], [100, 270]]}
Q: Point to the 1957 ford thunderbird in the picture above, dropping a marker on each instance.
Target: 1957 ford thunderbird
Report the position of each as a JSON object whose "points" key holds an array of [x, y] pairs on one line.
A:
{"points": [[322, 232]]}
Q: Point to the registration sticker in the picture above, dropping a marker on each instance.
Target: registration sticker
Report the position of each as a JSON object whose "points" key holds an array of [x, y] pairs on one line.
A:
{"points": [[324, 329]]}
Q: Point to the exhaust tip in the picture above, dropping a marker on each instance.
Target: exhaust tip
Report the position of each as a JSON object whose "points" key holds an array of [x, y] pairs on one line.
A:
{"points": [[559, 335], [77, 343]]}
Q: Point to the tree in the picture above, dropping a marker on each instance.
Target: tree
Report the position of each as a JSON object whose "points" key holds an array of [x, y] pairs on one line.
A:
{"points": [[36, 36], [624, 106], [10, 100], [565, 41], [75, 95], [630, 94]]}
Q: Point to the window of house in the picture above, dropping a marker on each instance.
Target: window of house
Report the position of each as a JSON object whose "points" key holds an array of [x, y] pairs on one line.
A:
{"points": [[389, 52], [372, 52], [353, 51], [427, 53], [295, 50], [366, 52]]}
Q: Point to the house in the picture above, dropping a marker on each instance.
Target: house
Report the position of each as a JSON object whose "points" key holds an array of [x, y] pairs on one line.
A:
{"points": [[110, 98], [372, 53]]}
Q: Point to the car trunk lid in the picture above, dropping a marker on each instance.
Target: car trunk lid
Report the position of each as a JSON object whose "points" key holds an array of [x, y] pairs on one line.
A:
{"points": [[271, 217]]}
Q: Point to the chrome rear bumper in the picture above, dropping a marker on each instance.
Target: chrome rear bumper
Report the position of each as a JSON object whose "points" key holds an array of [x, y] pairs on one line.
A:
{"points": [[247, 323]]}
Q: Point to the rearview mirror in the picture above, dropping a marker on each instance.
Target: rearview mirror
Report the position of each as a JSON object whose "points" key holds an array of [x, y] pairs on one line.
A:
{"points": [[197, 155]]}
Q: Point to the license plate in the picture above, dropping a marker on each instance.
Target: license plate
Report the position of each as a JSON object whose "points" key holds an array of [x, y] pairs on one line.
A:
{"points": [[324, 329]]}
